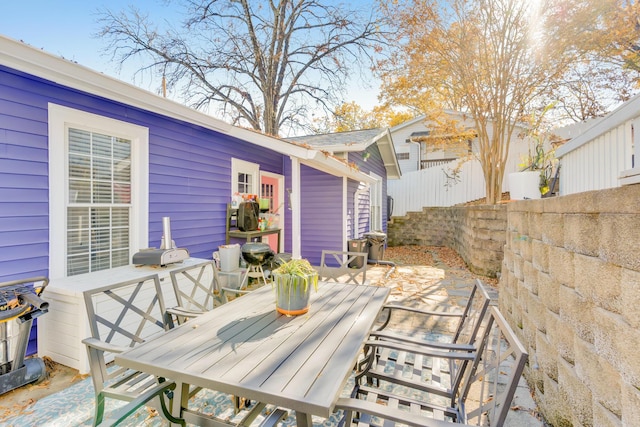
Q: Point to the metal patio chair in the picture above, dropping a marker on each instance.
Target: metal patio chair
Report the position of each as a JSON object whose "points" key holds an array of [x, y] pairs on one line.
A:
{"points": [[343, 267], [397, 364], [482, 398], [468, 322], [121, 316], [195, 289]]}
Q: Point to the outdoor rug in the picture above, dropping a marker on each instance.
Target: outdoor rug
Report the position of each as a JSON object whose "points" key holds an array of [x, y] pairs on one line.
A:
{"points": [[74, 407]]}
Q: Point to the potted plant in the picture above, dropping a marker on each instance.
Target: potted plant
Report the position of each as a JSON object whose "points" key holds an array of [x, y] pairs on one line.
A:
{"points": [[536, 167], [292, 281]]}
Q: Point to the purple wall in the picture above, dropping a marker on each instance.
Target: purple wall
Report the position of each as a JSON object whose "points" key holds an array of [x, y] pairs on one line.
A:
{"points": [[321, 216], [189, 172]]}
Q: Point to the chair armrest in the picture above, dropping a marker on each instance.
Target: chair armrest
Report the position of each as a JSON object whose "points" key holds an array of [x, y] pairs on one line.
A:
{"points": [[421, 349], [104, 346], [184, 312], [235, 291], [388, 413], [416, 310], [391, 307], [419, 342]]}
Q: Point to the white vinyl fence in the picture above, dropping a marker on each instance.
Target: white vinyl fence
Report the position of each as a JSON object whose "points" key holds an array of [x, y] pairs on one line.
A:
{"points": [[603, 156], [431, 187]]}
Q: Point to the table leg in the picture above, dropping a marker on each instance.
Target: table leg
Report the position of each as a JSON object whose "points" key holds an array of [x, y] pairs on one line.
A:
{"points": [[180, 399], [303, 420]]}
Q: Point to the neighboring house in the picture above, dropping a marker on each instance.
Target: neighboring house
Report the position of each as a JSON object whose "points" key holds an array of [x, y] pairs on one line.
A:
{"points": [[416, 150], [90, 165], [439, 174], [364, 207], [604, 155]]}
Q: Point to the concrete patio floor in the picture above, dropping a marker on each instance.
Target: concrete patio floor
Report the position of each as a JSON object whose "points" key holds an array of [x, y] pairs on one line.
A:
{"points": [[423, 276]]}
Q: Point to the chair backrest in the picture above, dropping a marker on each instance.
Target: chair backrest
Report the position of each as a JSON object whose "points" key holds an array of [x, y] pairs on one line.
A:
{"points": [[474, 316], [126, 313], [490, 384], [195, 286], [122, 315], [343, 267]]}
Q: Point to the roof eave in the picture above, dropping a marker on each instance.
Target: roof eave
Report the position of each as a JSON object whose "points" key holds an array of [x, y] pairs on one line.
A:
{"points": [[22, 57]]}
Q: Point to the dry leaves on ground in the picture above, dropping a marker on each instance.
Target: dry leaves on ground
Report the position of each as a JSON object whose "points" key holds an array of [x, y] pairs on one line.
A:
{"points": [[429, 256]]}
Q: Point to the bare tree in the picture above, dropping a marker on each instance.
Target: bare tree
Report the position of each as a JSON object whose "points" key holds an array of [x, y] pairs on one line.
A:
{"points": [[265, 64]]}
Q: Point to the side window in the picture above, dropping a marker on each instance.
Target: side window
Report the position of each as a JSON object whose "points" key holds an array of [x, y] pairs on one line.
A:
{"points": [[98, 191], [245, 177]]}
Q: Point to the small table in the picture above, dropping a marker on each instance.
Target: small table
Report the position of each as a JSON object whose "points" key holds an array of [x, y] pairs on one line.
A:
{"points": [[245, 348], [250, 235]]}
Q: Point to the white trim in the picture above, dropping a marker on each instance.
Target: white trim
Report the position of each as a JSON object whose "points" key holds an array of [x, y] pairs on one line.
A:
{"points": [[356, 210], [60, 118], [631, 176], [345, 213], [282, 211], [238, 166], [622, 114], [377, 188], [296, 244]]}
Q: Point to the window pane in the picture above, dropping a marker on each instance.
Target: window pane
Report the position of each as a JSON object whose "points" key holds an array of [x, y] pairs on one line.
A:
{"points": [[79, 141], [120, 217], [101, 168], [120, 258], [244, 183], [120, 239], [102, 192], [101, 145], [78, 265], [100, 261], [79, 166], [79, 191], [122, 171], [98, 233]]}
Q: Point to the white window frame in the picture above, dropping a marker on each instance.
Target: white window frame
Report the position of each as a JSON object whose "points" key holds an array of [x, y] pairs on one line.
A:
{"points": [[241, 166], [60, 120], [375, 203]]}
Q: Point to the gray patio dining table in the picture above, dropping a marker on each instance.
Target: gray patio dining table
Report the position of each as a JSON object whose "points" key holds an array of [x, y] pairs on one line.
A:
{"points": [[245, 348]]}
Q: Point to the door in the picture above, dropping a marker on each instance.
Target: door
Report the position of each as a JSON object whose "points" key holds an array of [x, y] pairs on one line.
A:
{"points": [[271, 186]]}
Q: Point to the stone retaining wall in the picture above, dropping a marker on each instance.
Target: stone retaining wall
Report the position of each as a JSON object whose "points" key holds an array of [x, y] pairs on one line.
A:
{"points": [[570, 287], [477, 233]]}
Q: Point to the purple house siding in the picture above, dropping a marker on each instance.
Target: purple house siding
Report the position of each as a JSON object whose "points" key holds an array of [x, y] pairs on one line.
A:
{"points": [[373, 164], [24, 194], [189, 172], [321, 214]]}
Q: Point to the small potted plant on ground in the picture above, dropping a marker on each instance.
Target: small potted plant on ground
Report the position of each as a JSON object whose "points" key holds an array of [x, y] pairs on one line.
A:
{"points": [[293, 281]]}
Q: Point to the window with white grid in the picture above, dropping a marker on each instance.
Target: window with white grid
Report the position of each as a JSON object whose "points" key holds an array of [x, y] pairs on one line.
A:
{"points": [[98, 191], [99, 182]]}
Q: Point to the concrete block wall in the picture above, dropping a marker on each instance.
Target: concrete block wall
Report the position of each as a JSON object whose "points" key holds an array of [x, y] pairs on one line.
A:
{"points": [[570, 287], [477, 233]]}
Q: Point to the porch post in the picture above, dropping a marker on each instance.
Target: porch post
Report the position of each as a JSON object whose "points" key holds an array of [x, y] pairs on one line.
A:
{"points": [[296, 243]]}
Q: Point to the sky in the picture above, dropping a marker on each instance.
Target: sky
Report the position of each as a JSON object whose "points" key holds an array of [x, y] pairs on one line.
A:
{"points": [[68, 28]]}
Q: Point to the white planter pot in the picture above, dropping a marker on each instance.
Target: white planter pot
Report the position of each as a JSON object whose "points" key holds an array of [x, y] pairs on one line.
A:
{"points": [[524, 185]]}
